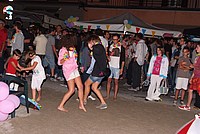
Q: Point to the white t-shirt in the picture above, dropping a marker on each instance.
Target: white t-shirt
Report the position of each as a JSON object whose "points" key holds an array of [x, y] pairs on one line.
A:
{"points": [[114, 60], [38, 71], [40, 43]]}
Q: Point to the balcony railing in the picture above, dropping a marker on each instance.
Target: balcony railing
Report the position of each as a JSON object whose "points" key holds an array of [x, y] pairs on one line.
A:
{"points": [[131, 4]]}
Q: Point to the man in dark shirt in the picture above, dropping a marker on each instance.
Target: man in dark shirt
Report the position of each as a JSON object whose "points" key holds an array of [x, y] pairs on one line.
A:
{"points": [[3, 38]]}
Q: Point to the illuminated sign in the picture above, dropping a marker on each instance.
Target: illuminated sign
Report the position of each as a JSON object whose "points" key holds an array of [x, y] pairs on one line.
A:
{"points": [[8, 10]]}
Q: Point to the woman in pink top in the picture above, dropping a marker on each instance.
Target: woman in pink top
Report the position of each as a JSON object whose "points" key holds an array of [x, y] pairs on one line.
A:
{"points": [[68, 59]]}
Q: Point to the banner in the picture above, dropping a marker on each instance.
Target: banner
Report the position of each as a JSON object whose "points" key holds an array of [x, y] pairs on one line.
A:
{"points": [[153, 33], [137, 29]]}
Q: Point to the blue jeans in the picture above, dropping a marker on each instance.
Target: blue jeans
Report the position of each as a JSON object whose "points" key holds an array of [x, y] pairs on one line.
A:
{"points": [[172, 78]]}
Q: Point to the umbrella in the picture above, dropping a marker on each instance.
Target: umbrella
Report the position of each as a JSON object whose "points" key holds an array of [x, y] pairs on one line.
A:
{"points": [[192, 127]]}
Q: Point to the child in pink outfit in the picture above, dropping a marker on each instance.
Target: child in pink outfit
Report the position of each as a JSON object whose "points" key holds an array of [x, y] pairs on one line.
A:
{"points": [[67, 58], [70, 64]]}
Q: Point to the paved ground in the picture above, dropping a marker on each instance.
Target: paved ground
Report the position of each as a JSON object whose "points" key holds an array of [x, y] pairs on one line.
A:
{"points": [[130, 114]]}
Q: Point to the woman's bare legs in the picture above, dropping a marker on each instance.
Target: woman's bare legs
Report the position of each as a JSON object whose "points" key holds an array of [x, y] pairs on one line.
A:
{"points": [[33, 94], [80, 92], [108, 87], [71, 89], [98, 93], [190, 93], [116, 88], [39, 95], [87, 84]]}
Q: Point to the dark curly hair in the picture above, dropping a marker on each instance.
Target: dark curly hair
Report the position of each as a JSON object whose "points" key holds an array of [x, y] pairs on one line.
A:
{"points": [[68, 41]]}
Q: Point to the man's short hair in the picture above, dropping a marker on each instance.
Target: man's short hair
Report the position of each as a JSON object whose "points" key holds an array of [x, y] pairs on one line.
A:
{"points": [[139, 35], [18, 25], [99, 32]]}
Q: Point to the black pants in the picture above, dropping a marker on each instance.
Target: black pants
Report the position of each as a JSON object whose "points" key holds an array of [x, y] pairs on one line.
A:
{"points": [[136, 74], [129, 73], [197, 100], [2, 62]]}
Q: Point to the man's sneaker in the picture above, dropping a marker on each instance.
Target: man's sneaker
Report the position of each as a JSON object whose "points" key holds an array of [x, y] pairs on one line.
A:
{"points": [[91, 97], [182, 103], [102, 106], [126, 85], [53, 79], [186, 108], [175, 102]]}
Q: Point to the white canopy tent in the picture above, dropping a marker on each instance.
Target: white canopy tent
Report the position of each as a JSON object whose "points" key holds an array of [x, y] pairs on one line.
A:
{"points": [[127, 23]]}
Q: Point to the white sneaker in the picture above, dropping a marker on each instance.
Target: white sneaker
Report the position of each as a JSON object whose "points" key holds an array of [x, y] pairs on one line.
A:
{"points": [[53, 79], [63, 85], [58, 78], [134, 89], [62, 79], [91, 97], [55, 76]]}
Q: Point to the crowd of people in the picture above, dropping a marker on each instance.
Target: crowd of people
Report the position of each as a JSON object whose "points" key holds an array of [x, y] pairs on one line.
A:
{"points": [[82, 59]]}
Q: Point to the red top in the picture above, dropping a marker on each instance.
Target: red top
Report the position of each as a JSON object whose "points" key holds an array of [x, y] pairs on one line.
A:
{"points": [[10, 68], [197, 67], [157, 64], [3, 37]]}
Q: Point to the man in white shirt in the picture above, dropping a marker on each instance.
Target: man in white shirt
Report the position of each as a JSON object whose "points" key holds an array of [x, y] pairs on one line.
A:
{"points": [[138, 61], [40, 43]]}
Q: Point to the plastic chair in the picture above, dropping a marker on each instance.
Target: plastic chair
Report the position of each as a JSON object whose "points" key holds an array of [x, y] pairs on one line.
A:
{"points": [[22, 83]]}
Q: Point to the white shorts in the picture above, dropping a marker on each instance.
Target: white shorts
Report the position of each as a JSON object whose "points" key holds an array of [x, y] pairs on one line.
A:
{"points": [[182, 83], [36, 83], [73, 75]]}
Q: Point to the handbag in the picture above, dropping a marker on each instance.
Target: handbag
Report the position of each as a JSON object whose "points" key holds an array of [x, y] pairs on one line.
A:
{"points": [[163, 87]]}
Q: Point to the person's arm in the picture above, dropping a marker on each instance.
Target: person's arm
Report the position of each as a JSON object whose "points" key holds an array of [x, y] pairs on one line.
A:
{"points": [[31, 67], [122, 56], [6, 63], [4, 37], [147, 57], [20, 67], [54, 50], [2, 48], [138, 51], [183, 66], [150, 67], [191, 78], [61, 59], [35, 41], [27, 41]]}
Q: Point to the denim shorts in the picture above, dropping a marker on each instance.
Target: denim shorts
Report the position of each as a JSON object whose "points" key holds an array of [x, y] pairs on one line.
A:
{"points": [[114, 73], [49, 60], [96, 79]]}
